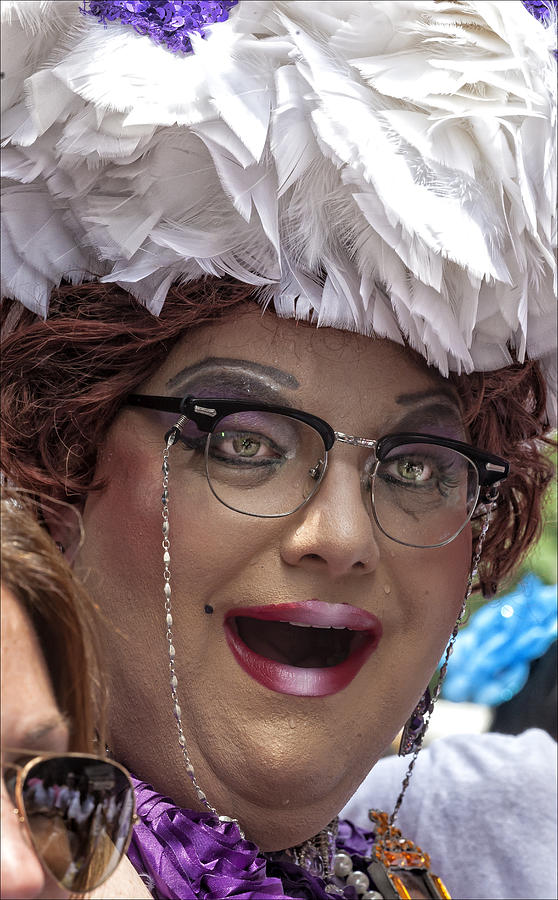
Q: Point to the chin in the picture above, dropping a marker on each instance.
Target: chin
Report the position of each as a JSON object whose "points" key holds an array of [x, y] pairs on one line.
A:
{"points": [[288, 786], [277, 829]]}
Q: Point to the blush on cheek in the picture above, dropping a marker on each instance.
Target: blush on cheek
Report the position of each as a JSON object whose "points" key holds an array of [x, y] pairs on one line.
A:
{"points": [[132, 470]]}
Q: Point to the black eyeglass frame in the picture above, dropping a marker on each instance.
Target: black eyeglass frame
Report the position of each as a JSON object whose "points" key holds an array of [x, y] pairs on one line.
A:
{"points": [[207, 412], [22, 773]]}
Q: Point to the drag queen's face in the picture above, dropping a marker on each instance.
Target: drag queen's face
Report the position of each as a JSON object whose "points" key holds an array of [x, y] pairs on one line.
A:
{"points": [[281, 751]]}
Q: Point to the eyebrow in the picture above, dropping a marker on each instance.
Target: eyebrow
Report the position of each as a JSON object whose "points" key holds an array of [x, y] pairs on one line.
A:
{"points": [[243, 366], [35, 735], [433, 394], [441, 408]]}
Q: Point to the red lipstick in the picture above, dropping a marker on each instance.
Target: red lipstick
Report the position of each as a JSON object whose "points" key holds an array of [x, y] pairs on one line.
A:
{"points": [[336, 639]]}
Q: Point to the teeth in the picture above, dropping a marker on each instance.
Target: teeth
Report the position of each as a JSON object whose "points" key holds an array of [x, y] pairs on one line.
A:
{"points": [[306, 625]]}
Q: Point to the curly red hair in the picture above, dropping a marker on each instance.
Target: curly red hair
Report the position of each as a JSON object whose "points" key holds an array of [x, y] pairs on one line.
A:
{"points": [[64, 380]]}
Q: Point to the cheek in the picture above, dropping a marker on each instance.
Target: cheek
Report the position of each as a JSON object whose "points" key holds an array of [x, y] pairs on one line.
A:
{"points": [[424, 602], [434, 581], [123, 554], [122, 531], [124, 522]]}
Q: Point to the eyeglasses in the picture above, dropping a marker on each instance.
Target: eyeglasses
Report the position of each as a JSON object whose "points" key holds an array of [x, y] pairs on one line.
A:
{"points": [[79, 810], [269, 461]]}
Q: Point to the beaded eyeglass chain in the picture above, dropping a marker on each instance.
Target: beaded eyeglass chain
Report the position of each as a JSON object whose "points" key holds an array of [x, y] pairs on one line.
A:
{"points": [[417, 741], [170, 438]]}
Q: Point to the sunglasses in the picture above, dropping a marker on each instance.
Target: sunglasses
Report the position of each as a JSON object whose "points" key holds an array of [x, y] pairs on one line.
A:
{"points": [[79, 811]]}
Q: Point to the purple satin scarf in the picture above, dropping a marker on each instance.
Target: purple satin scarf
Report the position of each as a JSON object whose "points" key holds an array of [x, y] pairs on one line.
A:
{"points": [[189, 854]]}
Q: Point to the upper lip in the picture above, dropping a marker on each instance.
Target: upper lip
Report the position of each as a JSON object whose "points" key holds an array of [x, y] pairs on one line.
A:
{"points": [[315, 613]]}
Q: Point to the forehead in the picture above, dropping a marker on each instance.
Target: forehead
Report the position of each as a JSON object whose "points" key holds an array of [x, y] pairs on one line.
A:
{"points": [[330, 369]]}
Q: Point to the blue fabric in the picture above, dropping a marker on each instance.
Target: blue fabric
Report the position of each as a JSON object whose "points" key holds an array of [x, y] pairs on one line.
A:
{"points": [[491, 657]]}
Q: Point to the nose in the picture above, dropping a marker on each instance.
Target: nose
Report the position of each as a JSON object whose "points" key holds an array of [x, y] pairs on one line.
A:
{"points": [[334, 533], [22, 875]]}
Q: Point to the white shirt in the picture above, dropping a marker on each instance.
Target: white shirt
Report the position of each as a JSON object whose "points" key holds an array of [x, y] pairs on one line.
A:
{"points": [[482, 806]]}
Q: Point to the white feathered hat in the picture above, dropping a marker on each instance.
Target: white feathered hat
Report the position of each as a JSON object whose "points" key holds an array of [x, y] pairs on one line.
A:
{"points": [[382, 167]]}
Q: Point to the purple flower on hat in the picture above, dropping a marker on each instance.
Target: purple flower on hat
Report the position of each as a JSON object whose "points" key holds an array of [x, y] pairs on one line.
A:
{"points": [[543, 10], [167, 22]]}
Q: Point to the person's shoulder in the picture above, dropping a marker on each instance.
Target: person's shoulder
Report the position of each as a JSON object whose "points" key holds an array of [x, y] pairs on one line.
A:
{"points": [[474, 760], [464, 762], [473, 802], [124, 884]]}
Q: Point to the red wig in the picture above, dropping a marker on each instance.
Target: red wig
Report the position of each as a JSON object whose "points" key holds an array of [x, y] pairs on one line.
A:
{"points": [[64, 380]]}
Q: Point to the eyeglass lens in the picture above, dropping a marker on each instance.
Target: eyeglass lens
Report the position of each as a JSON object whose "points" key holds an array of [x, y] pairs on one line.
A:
{"points": [[423, 494], [264, 463], [267, 464], [79, 813]]}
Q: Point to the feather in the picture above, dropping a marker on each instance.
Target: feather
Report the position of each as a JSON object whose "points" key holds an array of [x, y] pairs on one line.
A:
{"points": [[298, 293], [293, 144]]}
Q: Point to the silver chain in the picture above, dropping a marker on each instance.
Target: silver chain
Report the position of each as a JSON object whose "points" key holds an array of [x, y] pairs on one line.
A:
{"points": [[449, 650], [171, 438]]}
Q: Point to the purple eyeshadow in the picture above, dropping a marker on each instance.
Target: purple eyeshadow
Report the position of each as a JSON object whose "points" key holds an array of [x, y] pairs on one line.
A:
{"points": [[279, 428], [439, 420]]}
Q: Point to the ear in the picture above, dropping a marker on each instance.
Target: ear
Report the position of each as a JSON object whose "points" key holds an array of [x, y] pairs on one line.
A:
{"points": [[65, 525]]}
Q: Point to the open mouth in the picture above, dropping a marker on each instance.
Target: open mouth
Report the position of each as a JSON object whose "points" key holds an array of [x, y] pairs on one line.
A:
{"points": [[303, 646], [306, 649]]}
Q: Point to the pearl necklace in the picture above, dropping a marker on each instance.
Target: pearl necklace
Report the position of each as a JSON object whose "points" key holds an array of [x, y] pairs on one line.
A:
{"points": [[343, 869], [396, 865], [320, 857]]}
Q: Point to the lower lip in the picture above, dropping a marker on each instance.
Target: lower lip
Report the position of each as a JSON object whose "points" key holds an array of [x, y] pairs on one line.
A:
{"points": [[294, 680]]}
